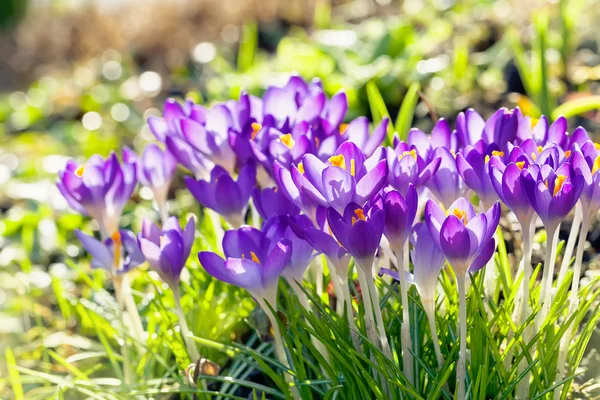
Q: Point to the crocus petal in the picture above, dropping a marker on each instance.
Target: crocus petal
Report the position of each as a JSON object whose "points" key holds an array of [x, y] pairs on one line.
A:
{"points": [[484, 256], [339, 187], [371, 183]]}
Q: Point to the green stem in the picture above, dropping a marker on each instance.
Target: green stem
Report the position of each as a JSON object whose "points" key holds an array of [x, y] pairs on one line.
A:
{"points": [[125, 353], [185, 330]]}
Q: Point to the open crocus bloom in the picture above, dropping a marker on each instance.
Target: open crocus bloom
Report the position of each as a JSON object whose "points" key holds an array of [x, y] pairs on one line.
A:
{"points": [[406, 166], [99, 188], [463, 235], [167, 250], [359, 230], [252, 262], [117, 254], [552, 194], [224, 195], [348, 177]]}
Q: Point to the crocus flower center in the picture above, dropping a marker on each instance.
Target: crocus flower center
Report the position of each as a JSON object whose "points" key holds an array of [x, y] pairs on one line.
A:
{"points": [[567, 153], [288, 140], [558, 183], [520, 164], [116, 238], [596, 166], [412, 153], [360, 214], [460, 214], [597, 146], [317, 142], [254, 257], [301, 168], [453, 153], [255, 128], [343, 128], [498, 153], [338, 161], [80, 171], [534, 155]]}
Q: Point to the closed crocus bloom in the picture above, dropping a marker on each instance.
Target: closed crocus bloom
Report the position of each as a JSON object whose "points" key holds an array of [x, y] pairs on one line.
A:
{"points": [[441, 137], [272, 202], [586, 163], [469, 127], [222, 194], [471, 165], [292, 228], [357, 132], [167, 249], [347, 177], [446, 184], [359, 230], [462, 234], [552, 193], [251, 262], [506, 180], [406, 166], [99, 188], [117, 254], [400, 212], [551, 134], [155, 169]]}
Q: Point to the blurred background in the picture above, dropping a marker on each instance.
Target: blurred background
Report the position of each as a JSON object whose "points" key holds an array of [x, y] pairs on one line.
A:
{"points": [[79, 77]]}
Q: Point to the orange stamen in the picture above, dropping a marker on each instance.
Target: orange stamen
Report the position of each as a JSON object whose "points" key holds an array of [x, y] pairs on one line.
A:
{"points": [[567, 153], [80, 171], [254, 257], [288, 140], [520, 164], [317, 142], [558, 183], [360, 214], [498, 153], [255, 128], [343, 128], [460, 214], [116, 238]]}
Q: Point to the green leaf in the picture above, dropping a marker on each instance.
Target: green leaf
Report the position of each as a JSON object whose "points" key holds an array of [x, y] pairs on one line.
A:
{"points": [[13, 375], [578, 106], [248, 46], [377, 105], [407, 111]]}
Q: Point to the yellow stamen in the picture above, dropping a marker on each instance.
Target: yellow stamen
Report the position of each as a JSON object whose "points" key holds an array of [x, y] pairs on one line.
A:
{"points": [[161, 240], [301, 168], [453, 153], [338, 161], [596, 166], [254, 257], [460, 214], [520, 164], [558, 183], [255, 128], [498, 153], [567, 153], [540, 149], [352, 167], [116, 238], [343, 128], [412, 153], [80, 171], [533, 156], [487, 159], [287, 140], [597, 146]]}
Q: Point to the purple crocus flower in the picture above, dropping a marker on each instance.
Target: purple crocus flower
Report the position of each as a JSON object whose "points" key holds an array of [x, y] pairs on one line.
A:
{"points": [[555, 134], [441, 137], [586, 163], [155, 169], [506, 180], [463, 236], [471, 165], [99, 188], [167, 250], [406, 166], [292, 228], [272, 202], [252, 262], [552, 193], [117, 254], [400, 212], [356, 132], [446, 184], [224, 195], [359, 230], [349, 177]]}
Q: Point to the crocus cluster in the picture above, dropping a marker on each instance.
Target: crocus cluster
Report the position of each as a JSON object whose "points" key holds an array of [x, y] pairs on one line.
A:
{"points": [[312, 184]]}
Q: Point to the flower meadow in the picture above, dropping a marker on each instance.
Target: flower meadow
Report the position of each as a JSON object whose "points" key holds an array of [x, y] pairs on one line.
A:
{"points": [[375, 264]]}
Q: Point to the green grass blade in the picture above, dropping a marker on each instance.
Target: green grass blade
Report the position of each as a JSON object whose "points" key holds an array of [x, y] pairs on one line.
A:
{"points": [[13, 375], [407, 111]]}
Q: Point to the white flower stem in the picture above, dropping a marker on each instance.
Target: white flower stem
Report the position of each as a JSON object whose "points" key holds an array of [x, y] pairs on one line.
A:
{"points": [[368, 306], [297, 288], [185, 330], [406, 341], [549, 262], [385, 347], [278, 339], [566, 261], [461, 373], [429, 307], [125, 353], [573, 304], [255, 215], [132, 310], [335, 279]]}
